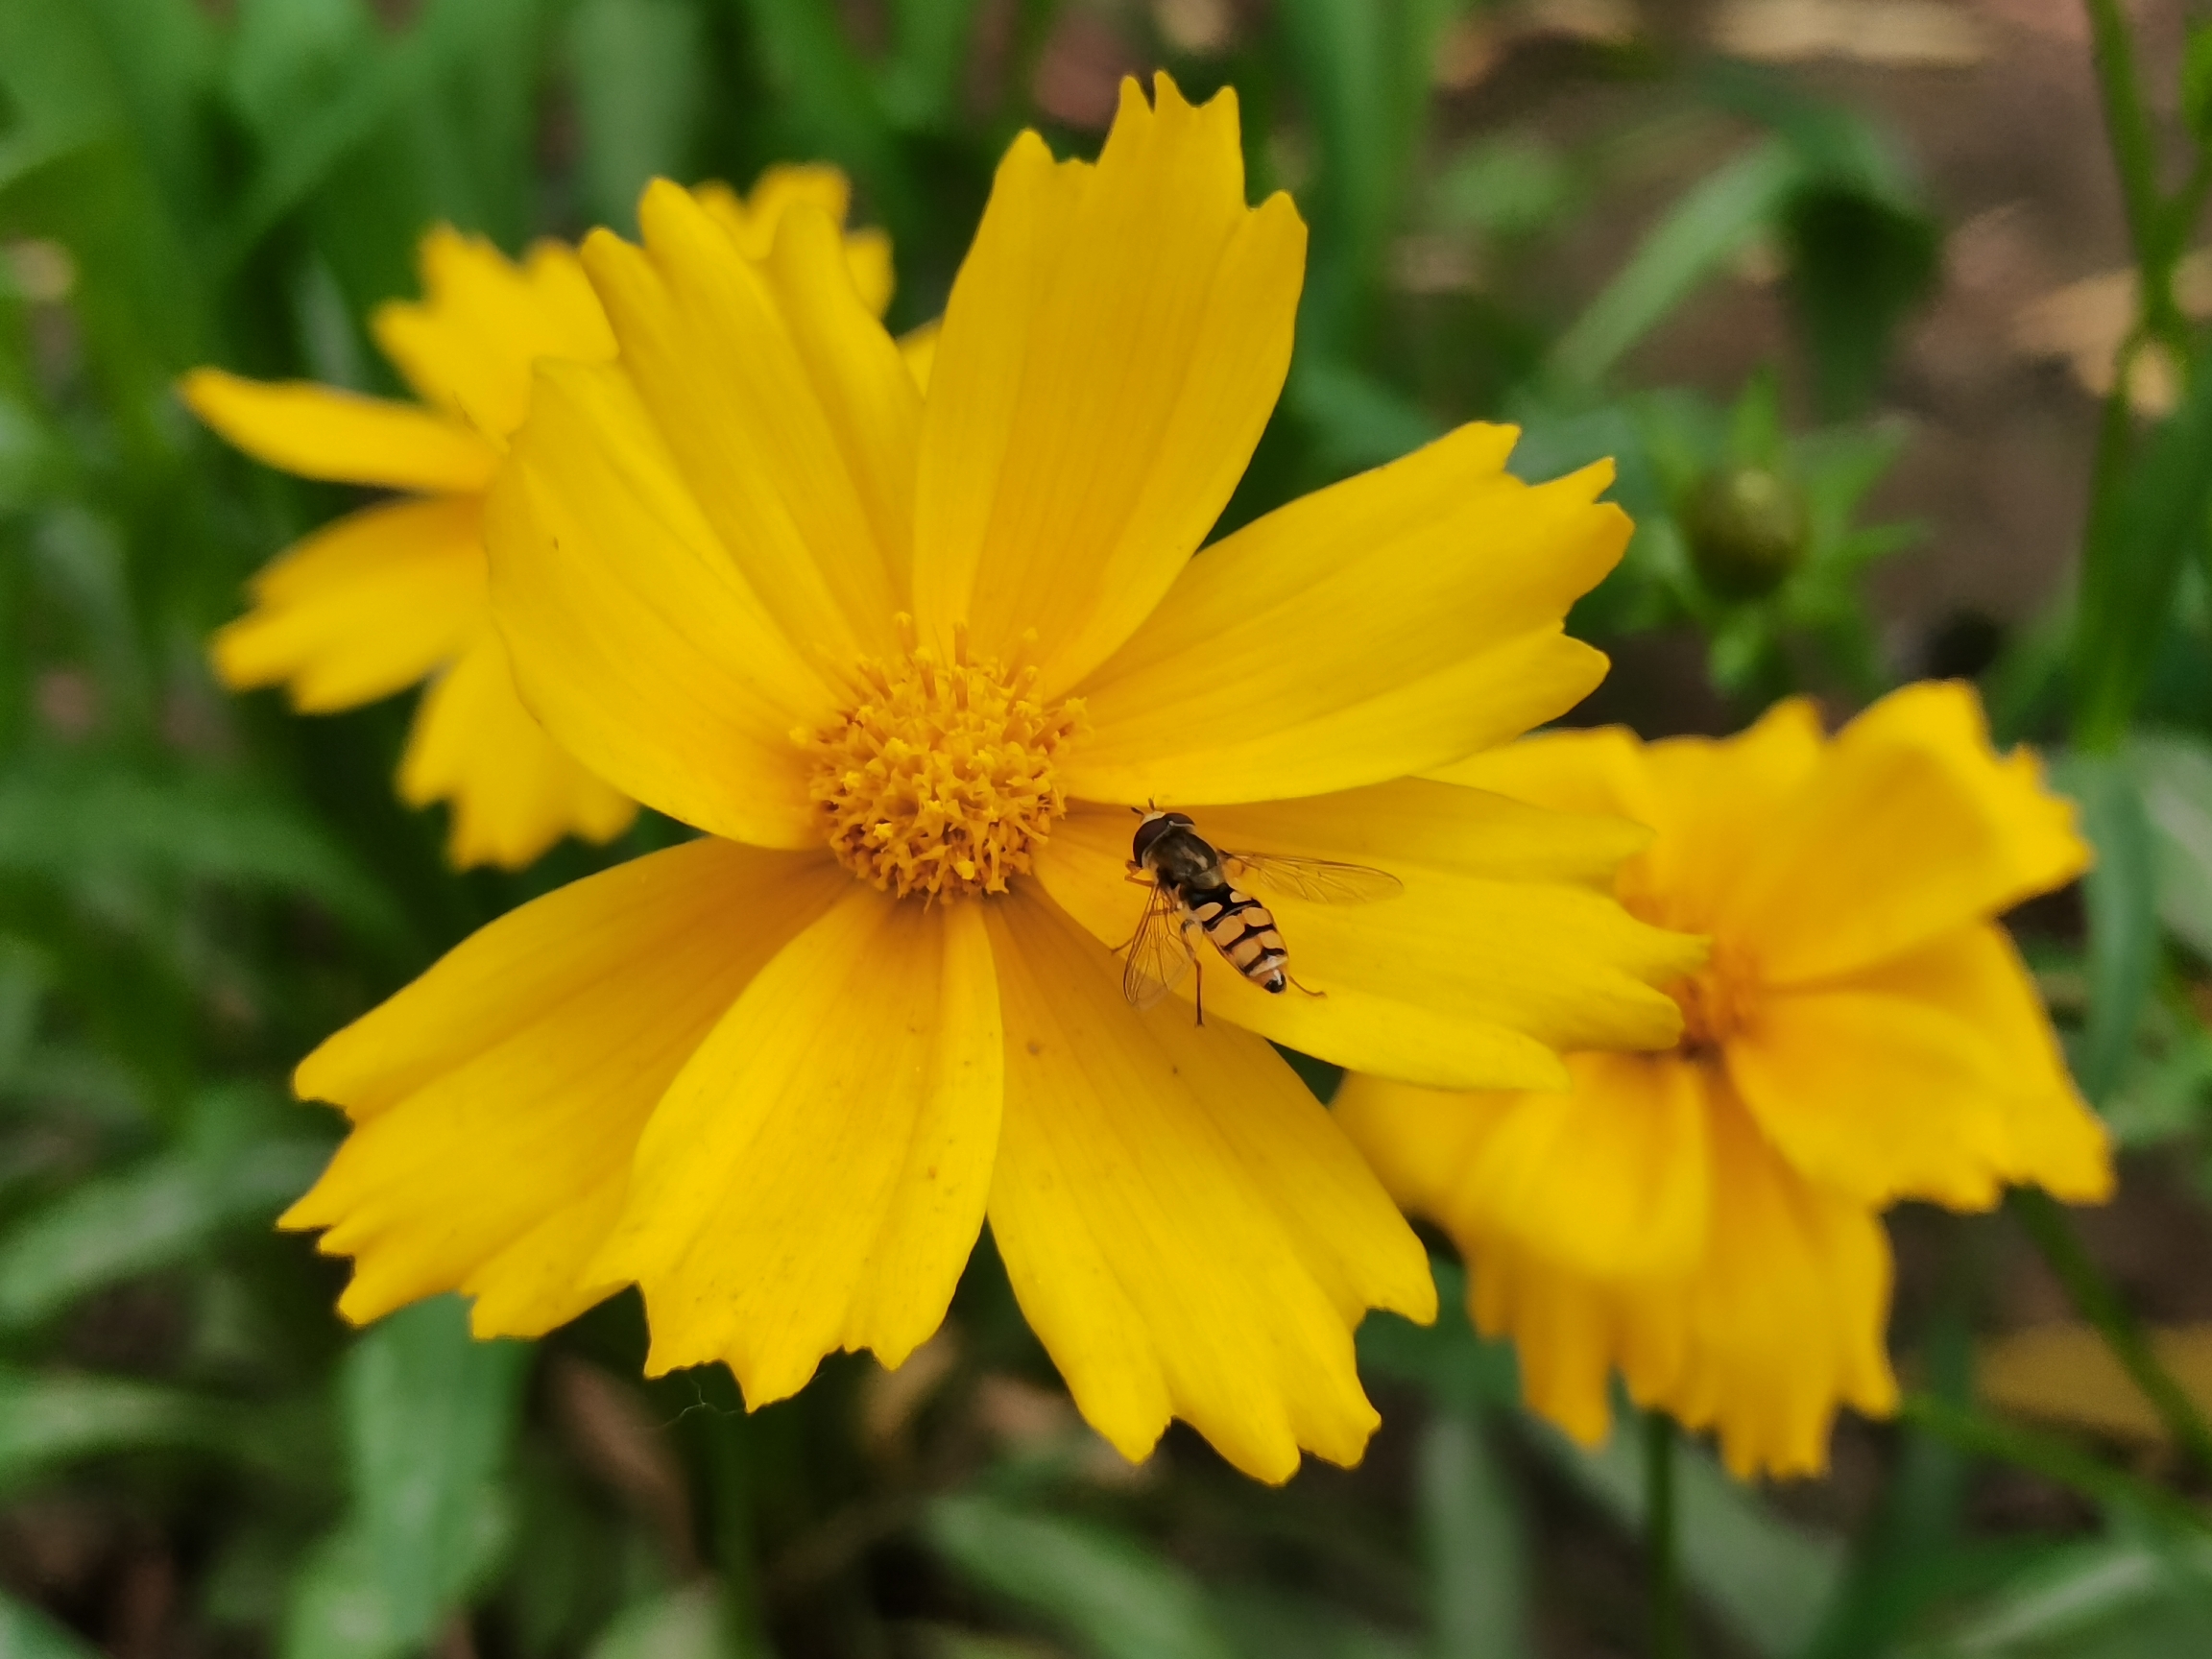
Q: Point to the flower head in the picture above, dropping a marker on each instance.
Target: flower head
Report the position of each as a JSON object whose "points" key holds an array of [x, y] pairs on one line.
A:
{"points": [[909, 659], [1704, 1221], [395, 594]]}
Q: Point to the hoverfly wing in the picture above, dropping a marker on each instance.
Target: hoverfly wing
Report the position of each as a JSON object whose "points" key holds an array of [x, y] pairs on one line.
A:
{"points": [[1159, 956], [1316, 880]]}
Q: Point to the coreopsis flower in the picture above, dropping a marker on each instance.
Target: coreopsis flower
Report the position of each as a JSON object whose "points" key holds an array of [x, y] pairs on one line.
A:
{"points": [[908, 659], [1706, 1221], [395, 594]]}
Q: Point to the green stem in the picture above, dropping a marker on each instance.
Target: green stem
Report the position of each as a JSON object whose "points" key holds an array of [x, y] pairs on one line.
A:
{"points": [[2127, 124], [2046, 1224], [1663, 1577], [2057, 1459]]}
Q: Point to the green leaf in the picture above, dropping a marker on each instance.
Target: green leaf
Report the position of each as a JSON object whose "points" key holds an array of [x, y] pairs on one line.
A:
{"points": [[342, 1607], [1858, 264], [53, 1418], [2173, 771], [1711, 222], [1356, 420], [2120, 895], [929, 49], [2140, 1598], [1110, 1595], [2133, 557], [71, 821], [1506, 185], [26, 1633], [1270, 1623], [1471, 1542], [2197, 79], [1362, 69], [1766, 1578], [429, 1415], [153, 1216], [691, 1621], [638, 66]]}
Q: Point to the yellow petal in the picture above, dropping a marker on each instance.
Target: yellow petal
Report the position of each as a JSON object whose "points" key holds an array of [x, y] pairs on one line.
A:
{"points": [[749, 416], [1786, 1318], [1609, 1179], [468, 343], [1597, 770], [1115, 342], [321, 432], [868, 262], [750, 220], [752, 223], [1779, 1322], [1388, 625], [1935, 1075], [1185, 1228], [1911, 828], [918, 347], [633, 639], [1419, 1142], [497, 1099], [362, 607], [513, 790], [870, 395], [1712, 804], [815, 1177], [1503, 949], [1718, 807]]}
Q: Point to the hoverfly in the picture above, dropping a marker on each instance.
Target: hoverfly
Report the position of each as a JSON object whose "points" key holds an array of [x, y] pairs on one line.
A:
{"points": [[1194, 891]]}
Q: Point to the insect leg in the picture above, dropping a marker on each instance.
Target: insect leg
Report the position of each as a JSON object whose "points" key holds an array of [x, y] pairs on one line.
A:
{"points": [[1197, 967], [1308, 989]]}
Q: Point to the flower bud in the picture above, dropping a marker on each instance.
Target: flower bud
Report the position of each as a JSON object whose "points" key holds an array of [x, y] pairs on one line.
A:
{"points": [[1748, 528]]}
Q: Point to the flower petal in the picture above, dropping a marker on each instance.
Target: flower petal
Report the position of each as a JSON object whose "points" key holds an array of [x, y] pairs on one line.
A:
{"points": [[362, 607], [1911, 828], [1609, 1179], [514, 791], [870, 393], [1711, 805], [1419, 1142], [320, 432], [917, 349], [1113, 345], [815, 1177], [1392, 623], [633, 639], [468, 343], [752, 222], [1185, 1228], [1931, 1076], [497, 1100], [1779, 1322], [751, 406], [1503, 949], [1786, 1318]]}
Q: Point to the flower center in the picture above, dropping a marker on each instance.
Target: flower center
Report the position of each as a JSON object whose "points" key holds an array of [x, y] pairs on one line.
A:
{"points": [[940, 781], [1714, 1003]]}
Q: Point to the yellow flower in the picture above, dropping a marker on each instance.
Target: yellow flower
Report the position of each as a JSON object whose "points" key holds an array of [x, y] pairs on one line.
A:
{"points": [[395, 594], [1705, 1220], [910, 661]]}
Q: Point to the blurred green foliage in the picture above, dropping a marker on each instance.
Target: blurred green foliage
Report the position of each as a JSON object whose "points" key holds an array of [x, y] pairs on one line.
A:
{"points": [[196, 1456]]}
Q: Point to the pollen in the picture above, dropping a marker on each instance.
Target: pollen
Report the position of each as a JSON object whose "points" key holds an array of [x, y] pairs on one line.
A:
{"points": [[939, 780]]}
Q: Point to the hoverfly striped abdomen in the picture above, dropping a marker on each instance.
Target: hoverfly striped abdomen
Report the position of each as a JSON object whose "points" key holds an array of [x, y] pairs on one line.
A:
{"points": [[1243, 930], [1194, 897]]}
